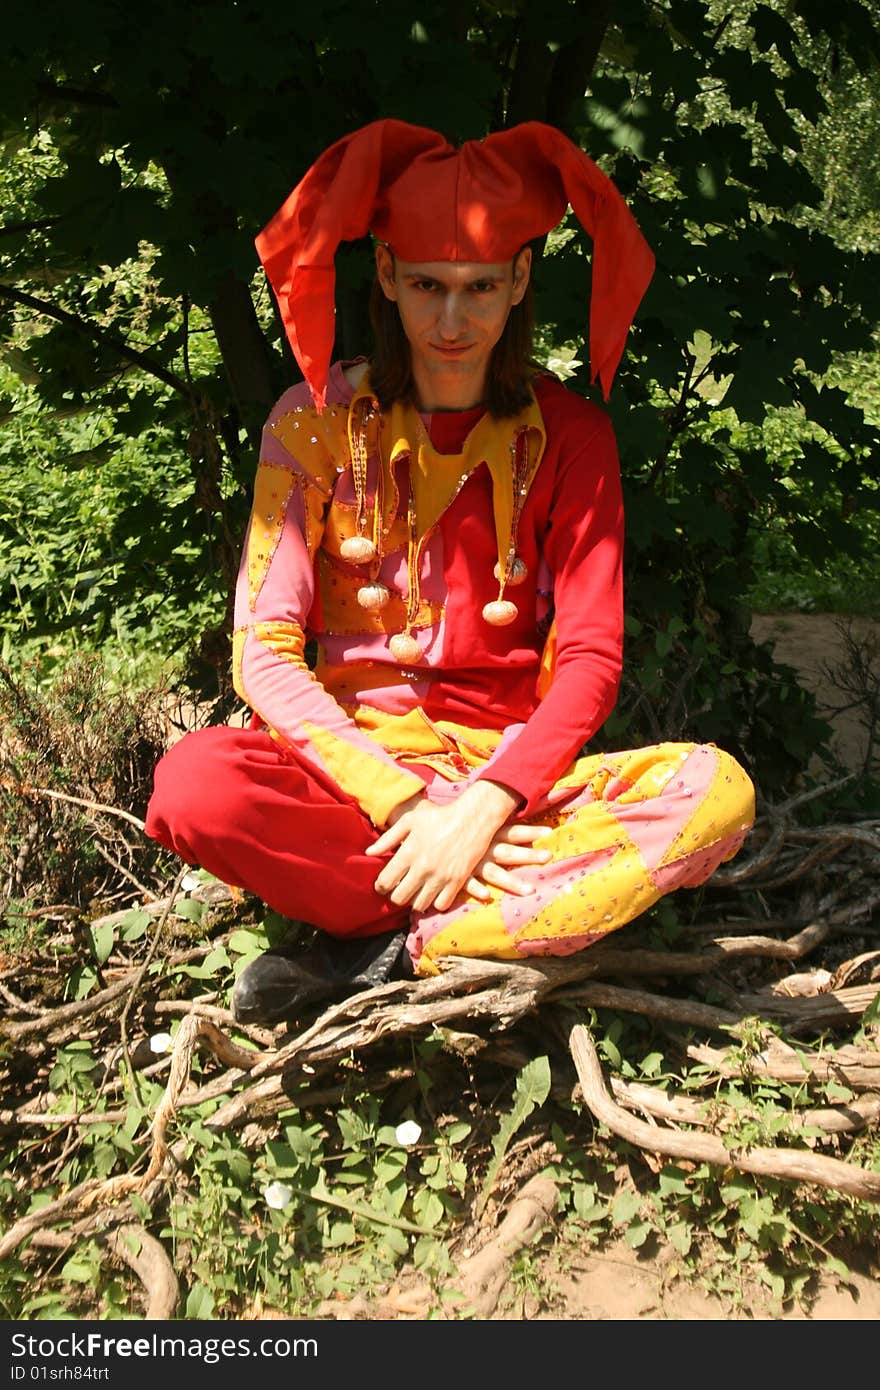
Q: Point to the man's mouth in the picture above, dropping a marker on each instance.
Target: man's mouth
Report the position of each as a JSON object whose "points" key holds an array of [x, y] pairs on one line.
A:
{"points": [[452, 350]]}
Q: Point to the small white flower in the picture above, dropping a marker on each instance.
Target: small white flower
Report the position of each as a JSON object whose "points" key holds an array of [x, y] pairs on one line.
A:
{"points": [[160, 1042], [277, 1195], [408, 1133], [190, 882]]}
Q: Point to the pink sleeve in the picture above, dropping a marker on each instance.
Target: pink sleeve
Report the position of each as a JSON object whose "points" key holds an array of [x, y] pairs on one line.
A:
{"points": [[583, 548], [274, 596]]}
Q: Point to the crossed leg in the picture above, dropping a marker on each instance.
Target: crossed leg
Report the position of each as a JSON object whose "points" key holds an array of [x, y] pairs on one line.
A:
{"points": [[623, 830]]}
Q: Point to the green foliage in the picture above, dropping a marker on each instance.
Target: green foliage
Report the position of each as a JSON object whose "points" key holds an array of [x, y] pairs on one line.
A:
{"points": [[95, 531], [320, 1211]]}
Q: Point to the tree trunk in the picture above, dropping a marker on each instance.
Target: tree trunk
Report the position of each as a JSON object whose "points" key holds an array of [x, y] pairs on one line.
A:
{"points": [[245, 353], [546, 86], [574, 64]]}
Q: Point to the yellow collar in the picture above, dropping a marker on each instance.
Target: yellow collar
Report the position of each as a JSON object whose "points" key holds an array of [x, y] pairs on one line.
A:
{"points": [[510, 448]]}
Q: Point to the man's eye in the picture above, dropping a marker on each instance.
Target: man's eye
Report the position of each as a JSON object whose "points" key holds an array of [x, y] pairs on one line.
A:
{"points": [[484, 286], [426, 285]]}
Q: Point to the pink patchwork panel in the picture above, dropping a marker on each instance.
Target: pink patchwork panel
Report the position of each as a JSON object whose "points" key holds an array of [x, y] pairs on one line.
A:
{"points": [[653, 824], [693, 869], [348, 649]]}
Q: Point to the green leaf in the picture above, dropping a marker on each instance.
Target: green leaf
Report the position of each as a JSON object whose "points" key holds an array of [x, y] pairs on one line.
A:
{"points": [[83, 981], [305, 1142], [428, 1208], [392, 1198], [340, 1233], [735, 1191], [771, 29], [774, 1282], [78, 1271], [680, 1237], [636, 1234], [190, 910], [651, 1065], [133, 925], [215, 962], [585, 1203], [834, 1091], [388, 1168], [756, 1214], [396, 1240], [141, 1209], [199, 1303], [132, 1242], [102, 939], [281, 1158], [456, 1133], [247, 943], [872, 1013], [673, 1180], [531, 1090], [624, 1208]]}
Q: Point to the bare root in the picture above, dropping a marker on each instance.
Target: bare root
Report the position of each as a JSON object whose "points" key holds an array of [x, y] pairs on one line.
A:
{"points": [[793, 1165], [147, 1257]]}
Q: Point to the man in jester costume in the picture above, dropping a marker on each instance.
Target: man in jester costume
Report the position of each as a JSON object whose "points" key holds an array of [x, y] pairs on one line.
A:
{"points": [[443, 521]]}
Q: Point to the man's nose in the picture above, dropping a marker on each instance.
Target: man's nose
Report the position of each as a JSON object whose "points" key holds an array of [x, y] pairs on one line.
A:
{"points": [[451, 317]]}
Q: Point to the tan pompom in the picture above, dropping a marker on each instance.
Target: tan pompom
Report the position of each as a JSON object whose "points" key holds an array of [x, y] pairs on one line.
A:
{"points": [[357, 549], [373, 596], [518, 571], [404, 648], [500, 612]]}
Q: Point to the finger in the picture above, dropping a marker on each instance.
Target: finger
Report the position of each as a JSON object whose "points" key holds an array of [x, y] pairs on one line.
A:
{"points": [[428, 897], [392, 873], [512, 855], [450, 893], [516, 834], [493, 874], [406, 891], [390, 839], [478, 890]]}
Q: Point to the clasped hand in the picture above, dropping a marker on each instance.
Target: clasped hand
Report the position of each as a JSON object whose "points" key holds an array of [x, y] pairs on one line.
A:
{"points": [[469, 844]]}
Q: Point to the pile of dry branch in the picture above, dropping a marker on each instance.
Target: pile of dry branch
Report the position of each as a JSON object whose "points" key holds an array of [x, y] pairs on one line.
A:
{"points": [[784, 952]]}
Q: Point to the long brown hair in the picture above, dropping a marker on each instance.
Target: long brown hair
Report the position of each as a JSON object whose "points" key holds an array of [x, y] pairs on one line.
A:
{"points": [[511, 366]]}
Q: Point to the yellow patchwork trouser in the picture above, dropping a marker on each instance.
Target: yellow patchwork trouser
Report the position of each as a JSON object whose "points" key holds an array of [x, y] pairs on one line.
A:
{"points": [[623, 829]]}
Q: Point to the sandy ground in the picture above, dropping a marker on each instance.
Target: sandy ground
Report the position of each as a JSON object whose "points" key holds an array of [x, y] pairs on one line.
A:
{"points": [[619, 1284]]}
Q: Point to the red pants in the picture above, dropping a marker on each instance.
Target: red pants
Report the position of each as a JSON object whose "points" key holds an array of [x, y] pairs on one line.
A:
{"points": [[266, 820]]}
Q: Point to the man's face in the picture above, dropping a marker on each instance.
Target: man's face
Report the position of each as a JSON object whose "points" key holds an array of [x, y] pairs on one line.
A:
{"points": [[453, 313]]}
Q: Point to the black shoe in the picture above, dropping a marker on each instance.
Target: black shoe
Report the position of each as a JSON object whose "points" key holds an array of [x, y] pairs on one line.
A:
{"points": [[284, 980]]}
